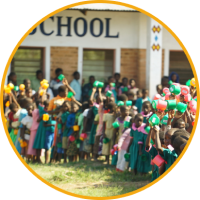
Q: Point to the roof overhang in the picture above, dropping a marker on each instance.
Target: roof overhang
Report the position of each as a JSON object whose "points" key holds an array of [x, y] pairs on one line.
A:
{"points": [[103, 7]]}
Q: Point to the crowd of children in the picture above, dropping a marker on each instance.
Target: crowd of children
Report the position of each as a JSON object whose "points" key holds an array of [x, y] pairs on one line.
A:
{"points": [[119, 121]]}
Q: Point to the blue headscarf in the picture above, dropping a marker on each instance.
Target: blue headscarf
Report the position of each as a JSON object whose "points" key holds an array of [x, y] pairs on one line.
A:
{"points": [[177, 77]]}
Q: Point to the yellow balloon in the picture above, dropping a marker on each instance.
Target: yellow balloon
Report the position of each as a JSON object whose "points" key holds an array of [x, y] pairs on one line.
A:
{"points": [[192, 82], [11, 86]]}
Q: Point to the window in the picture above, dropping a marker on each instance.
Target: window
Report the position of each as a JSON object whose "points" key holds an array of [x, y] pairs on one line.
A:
{"points": [[98, 63], [26, 62], [180, 64]]}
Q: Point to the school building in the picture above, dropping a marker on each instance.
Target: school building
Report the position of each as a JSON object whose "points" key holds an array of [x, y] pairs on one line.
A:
{"points": [[99, 40]]}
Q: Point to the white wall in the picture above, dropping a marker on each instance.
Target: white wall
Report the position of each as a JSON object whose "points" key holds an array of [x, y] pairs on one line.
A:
{"points": [[131, 26], [169, 43], [126, 23]]}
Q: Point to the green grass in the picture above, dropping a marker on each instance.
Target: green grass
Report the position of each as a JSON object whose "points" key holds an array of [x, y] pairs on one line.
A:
{"points": [[90, 178]]}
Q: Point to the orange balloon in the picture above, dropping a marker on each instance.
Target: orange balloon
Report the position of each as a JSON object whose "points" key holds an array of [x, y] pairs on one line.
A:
{"points": [[22, 87], [15, 131], [23, 144], [7, 104], [7, 90]]}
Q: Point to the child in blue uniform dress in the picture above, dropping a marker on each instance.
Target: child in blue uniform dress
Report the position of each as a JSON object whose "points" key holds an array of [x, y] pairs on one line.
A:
{"points": [[49, 136], [151, 149], [136, 143], [168, 153]]}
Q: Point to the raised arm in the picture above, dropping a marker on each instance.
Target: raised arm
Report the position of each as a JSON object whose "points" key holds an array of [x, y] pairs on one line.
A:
{"points": [[92, 95], [14, 100], [100, 95], [148, 140], [170, 117], [158, 143], [56, 111], [77, 102], [10, 97], [43, 96], [65, 82], [47, 125], [190, 119]]}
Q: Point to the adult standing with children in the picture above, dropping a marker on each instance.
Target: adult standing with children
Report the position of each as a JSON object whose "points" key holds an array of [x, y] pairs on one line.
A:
{"points": [[174, 77], [56, 83], [75, 85], [87, 89], [36, 83]]}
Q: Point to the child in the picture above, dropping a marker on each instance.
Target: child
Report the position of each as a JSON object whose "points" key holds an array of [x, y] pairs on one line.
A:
{"points": [[180, 124], [66, 108], [136, 143], [151, 149], [76, 134], [123, 144], [29, 93], [133, 88], [124, 116], [125, 87], [97, 150], [12, 78], [117, 78], [144, 160], [72, 148], [27, 84], [139, 94], [85, 108], [165, 82], [123, 98], [13, 120], [132, 97], [95, 112], [179, 140], [33, 129], [146, 111], [25, 130], [141, 100], [23, 113], [111, 88], [168, 153], [89, 128], [108, 120], [82, 154], [49, 135], [39, 142]]}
